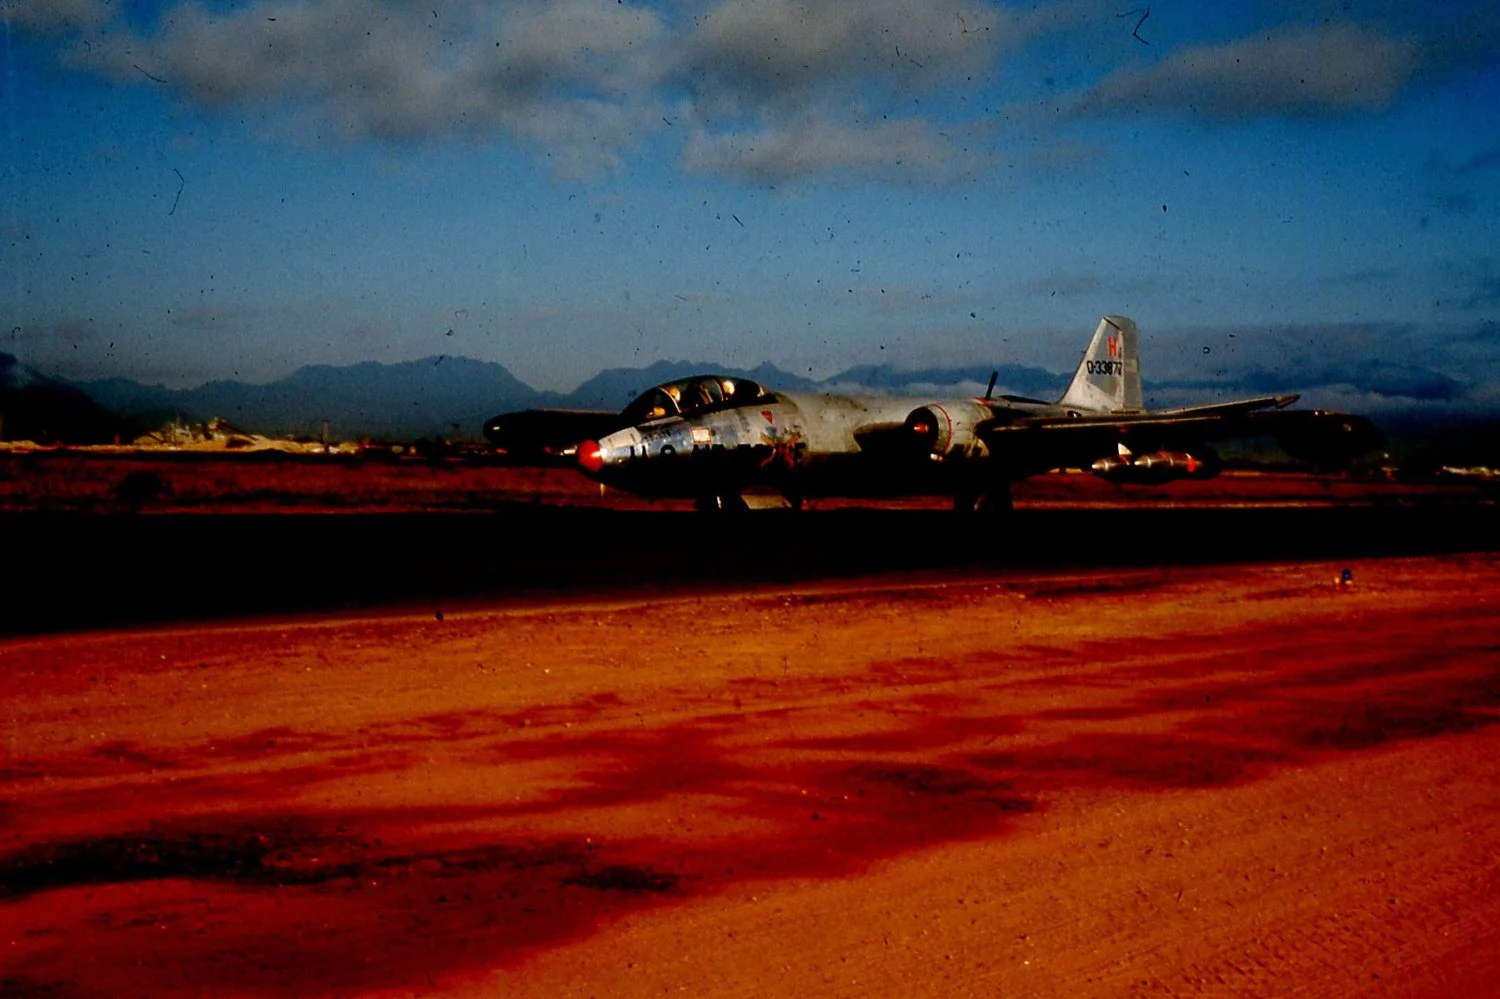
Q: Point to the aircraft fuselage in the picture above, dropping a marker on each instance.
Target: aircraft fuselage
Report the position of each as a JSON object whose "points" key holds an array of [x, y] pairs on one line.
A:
{"points": [[713, 438], [806, 445]]}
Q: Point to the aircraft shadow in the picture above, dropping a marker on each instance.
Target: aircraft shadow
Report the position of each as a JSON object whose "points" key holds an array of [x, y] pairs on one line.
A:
{"points": [[88, 571]]}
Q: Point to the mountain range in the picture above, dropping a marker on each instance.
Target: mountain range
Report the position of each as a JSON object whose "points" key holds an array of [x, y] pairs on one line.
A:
{"points": [[35, 407], [450, 397]]}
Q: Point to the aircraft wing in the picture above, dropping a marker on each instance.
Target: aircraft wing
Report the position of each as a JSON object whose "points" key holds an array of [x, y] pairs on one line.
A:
{"points": [[1057, 441], [547, 436], [1219, 410]]}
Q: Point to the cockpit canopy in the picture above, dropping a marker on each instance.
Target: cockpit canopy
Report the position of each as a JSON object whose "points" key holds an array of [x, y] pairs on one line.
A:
{"points": [[691, 396]]}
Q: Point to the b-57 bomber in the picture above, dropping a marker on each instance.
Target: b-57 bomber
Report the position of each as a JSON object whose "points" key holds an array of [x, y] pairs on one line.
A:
{"points": [[715, 439]]}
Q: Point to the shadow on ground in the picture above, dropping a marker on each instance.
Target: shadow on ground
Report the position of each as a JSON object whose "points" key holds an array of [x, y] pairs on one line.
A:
{"points": [[77, 571], [240, 887]]}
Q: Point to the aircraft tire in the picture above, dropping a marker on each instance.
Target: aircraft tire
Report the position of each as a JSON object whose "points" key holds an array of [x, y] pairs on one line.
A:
{"points": [[730, 504]]}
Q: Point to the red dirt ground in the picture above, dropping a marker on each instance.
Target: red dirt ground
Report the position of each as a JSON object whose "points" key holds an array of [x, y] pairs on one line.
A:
{"points": [[1196, 781], [90, 481]]}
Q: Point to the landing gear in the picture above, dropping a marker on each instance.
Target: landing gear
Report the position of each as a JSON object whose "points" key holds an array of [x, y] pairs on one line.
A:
{"points": [[724, 503], [996, 501]]}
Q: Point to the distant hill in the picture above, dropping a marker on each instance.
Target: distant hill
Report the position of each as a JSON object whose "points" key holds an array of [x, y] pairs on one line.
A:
{"points": [[411, 399], [34, 407], [433, 396], [429, 397]]}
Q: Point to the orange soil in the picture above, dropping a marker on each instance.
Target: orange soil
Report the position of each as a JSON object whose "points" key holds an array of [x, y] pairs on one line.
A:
{"points": [[80, 480], [1203, 781]]}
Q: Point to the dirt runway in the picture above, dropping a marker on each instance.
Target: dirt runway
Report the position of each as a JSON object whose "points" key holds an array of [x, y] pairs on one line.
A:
{"points": [[1159, 781]]}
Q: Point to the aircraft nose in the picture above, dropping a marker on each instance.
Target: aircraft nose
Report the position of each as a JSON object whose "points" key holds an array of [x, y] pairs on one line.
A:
{"points": [[590, 457]]}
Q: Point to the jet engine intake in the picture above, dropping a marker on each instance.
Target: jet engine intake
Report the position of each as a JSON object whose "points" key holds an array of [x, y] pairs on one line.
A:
{"points": [[946, 430]]}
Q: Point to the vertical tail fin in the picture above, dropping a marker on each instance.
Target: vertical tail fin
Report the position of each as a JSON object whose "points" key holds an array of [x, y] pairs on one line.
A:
{"points": [[1108, 379]]}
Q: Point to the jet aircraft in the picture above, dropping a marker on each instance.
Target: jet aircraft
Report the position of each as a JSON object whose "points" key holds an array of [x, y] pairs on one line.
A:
{"points": [[714, 439]]}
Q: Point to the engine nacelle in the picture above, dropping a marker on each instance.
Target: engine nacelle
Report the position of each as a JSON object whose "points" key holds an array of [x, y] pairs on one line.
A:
{"points": [[1156, 467], [946, 429]]}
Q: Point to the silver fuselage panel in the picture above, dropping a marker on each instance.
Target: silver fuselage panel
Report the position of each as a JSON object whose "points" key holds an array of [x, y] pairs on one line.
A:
{"points": [[795, 443]]}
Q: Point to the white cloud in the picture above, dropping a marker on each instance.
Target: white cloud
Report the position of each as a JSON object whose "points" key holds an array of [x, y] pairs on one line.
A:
{"points": [[581, 43], [763, 90], [581, 136], [786, 90], [757, 53], [581, 81], [577, 75], [911, 150], [1334, 67]]}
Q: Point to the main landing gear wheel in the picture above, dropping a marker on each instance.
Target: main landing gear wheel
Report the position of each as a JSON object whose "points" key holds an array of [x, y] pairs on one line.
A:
{"points": [[995, 502], [730, 503]]}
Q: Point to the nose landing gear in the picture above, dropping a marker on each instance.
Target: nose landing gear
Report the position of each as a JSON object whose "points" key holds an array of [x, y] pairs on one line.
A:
{"points": [[721, 503]]}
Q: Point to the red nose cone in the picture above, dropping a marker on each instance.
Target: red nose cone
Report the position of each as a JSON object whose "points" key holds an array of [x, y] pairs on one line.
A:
{"points": [[589, 458]]}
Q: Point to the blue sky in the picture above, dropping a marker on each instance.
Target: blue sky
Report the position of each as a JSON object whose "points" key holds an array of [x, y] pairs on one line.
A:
{"points": [[1299, 195]]}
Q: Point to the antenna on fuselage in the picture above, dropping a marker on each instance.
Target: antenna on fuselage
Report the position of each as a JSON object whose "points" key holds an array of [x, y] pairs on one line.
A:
{"points": [[989, 391]]}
